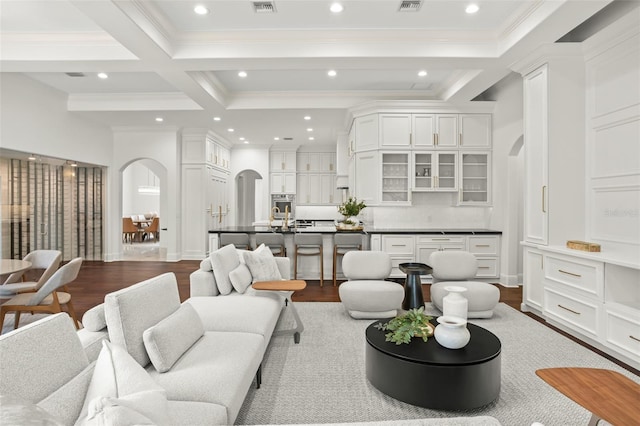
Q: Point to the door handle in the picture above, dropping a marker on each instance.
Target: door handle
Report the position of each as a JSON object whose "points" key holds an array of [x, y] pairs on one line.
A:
{"points": [[544, 207]]}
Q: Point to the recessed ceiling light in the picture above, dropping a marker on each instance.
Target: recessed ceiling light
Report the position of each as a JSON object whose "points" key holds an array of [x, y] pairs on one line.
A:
{"points": [[216, 118], [241, 139], [276, 138], [472, 8], [332, 73], [422, 73], [159, 119], [74, 164], [230, 130], [32, 157], [246, 141], [309, 129], [200, 10], [311, 138], [306, 117], [102, 75], [242, 74], [336, 8]]}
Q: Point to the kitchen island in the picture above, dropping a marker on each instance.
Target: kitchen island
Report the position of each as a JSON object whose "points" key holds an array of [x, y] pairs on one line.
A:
{"points": [[404, 245]]}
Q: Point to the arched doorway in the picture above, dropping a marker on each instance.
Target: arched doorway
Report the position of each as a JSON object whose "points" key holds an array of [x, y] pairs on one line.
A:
{"points": [[143, 201], [248, 198]]}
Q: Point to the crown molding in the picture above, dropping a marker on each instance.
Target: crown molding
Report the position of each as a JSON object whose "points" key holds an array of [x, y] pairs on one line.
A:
{"points": [[131, 102], [546, 53], [152, 22]]}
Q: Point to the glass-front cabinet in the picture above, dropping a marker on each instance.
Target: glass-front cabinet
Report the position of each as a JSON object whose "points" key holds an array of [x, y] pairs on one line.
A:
{"points": [[395, 178], [475, 172], [435, 171]]}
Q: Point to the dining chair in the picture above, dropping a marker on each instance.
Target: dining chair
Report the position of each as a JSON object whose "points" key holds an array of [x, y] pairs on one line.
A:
{"points": [[129, 230], [153, 230], [46, 260], [47, 299]]}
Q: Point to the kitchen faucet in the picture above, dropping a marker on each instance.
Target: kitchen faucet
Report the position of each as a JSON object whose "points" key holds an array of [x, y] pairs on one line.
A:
{"points": [[285, 224], [271, 218]]}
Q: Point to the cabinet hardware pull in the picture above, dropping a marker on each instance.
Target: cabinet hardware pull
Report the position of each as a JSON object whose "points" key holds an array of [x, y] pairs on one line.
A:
{"points": [[434, 139], [308, 166], [634, 338], [483, 267], [460, 195], [441, 239], [570, 273], [219, 214], [482, 245], [437, 138], [410, 139], [570, 310], [460, 138], [544, 207], [330, 167], [397, 245], [282, 165]]}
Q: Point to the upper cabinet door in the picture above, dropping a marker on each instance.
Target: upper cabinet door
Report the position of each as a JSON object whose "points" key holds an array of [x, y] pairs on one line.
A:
{"points": [[366, 133], [446, 130], [395, 130], [422, 130], [475, 131]]}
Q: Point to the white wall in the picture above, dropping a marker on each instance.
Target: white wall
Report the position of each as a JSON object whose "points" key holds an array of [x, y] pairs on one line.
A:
{"points": [[35, 120], [163, 148]]}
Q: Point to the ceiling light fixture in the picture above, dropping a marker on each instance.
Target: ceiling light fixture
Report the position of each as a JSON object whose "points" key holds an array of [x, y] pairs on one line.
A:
{"points": [[422, 73], [242, 74], [230, 130], [336, 8], [306, 117], [159, 119], [31, 158], [241, 139], [246, 141], [276, 138], [311, 138], [332, 73], [201, 10], [216, 118], [309, 129], [472, 8], [103, 75]]}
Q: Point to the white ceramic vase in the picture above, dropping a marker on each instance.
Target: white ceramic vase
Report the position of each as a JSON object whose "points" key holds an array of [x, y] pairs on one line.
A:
{"points": [[455, 304], [452, 332]]}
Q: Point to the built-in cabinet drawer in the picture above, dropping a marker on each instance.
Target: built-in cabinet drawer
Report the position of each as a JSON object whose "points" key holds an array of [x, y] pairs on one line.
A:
{"points": [[442, 240], [581, 275], [487, 267], [395, 265], [484, 245], [623, 332], [398, 244], [574, 312]]}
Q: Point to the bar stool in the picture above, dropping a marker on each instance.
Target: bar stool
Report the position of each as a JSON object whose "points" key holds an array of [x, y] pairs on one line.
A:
{"points": [[274, 241], [239, 240], [343, 243], [308, 245]]}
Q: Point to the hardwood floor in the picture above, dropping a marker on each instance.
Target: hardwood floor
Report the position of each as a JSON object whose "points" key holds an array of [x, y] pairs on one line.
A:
{"points": [[99, 278]]}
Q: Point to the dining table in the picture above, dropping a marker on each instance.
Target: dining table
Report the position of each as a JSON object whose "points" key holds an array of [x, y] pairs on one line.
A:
{"points": [[10, 266]]}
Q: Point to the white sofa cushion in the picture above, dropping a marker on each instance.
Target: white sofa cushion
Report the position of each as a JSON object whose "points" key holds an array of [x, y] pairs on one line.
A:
{"points": [[170, 338], [240, 278], [224, 260], [93, 319], [130, 311], [262, 264], [205, 265], [120, 390]]}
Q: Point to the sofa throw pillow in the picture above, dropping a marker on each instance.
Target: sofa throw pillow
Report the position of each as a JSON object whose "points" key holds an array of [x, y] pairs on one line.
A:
{"points": [[205, 265], [166, 341], [240, 278], [262, 264], [93, 319], [224, 260], [119, 381]]}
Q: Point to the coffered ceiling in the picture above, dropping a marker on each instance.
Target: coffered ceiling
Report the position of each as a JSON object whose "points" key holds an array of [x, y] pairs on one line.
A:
{"points": [[164, 60]]}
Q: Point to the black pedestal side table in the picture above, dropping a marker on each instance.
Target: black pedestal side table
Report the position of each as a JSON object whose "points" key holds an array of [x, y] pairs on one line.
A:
{"points": [[412, 286]]}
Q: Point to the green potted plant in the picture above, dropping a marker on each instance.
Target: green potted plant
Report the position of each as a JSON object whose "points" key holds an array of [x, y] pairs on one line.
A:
{"points": [[349, 210], [403, 328]]}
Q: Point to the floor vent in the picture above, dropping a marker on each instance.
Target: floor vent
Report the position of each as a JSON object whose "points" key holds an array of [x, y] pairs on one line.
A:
{"points": [[264, 7], [75, 74], [410, 5]]}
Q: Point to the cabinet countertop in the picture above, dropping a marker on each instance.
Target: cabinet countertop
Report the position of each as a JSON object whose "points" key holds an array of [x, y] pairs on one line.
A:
{"points": [[331, 230]]}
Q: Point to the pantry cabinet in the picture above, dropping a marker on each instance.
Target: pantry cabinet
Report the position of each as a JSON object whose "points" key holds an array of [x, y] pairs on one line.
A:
{"points": [[283, 172], [283, 183]]}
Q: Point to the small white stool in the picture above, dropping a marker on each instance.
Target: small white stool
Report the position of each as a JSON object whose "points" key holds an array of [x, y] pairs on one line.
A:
{"points": [[482, 297]]}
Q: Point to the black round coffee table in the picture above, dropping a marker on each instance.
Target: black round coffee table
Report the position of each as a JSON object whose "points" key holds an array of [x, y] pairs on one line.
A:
{"points": [[413, 297], [429, 375]]}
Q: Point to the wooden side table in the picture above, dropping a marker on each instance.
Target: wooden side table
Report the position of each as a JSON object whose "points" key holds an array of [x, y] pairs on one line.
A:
{"points": [[285, 285], [607, 394]]}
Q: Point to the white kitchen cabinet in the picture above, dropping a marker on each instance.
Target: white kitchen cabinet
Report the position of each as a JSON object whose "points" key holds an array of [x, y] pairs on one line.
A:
{"points": [[367, 181], [283, 161], [418, 131], [316, 162], [366, 133], [401, 249], [435, 171], [395, 130], [427, 244], [533, 275], [475, 178], [446, 131], [283, 183], [395, 178], [316, 189], [475, 131], [486, 249], [536, 156]]}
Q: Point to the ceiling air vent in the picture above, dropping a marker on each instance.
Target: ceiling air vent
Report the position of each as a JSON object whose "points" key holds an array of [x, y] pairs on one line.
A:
{"points": [[287, 139], [75, 74], [264, 7], [410, 5]]}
